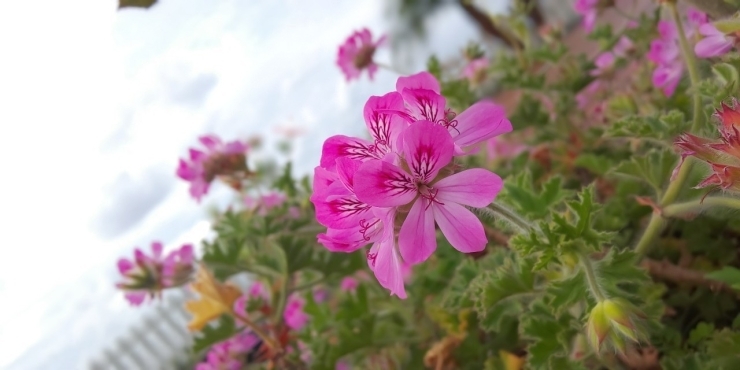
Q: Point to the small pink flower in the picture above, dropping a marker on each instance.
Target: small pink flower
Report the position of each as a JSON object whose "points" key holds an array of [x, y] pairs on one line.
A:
{"points": [[232, 353], [349, 284], [715, 43], [665, 53], [266, 202], [256, 292], [146, 276], [356, 54], [604, 63], [293, 315], [623, 47], [475, 71], [427, 150], [320, 295], [695, 19], [218, 159], [499, 148], [589, 9]]}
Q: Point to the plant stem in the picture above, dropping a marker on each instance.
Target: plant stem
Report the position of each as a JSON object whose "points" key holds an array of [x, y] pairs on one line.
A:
{"points": [[520, 222], [593, 284], [252, 326], [690, 60], [700, 205], [654, 227]]}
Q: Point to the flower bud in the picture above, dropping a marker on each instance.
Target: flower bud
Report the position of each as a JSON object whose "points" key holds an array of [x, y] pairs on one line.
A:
{"points": [[613, 321]]}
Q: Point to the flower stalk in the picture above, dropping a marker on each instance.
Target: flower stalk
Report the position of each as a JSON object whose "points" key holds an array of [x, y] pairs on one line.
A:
{"points": [[688, 55], [497, 210]]}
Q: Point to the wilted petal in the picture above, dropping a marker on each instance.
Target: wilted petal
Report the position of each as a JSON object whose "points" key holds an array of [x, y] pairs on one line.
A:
{"points": [[417, 238], [475, 187], [421, 80], [382, 184], [345, 146], [480, 122], [462, 229], [428, 147]]}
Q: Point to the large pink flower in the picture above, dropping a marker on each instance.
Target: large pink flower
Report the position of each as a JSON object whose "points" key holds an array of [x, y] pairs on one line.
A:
{"points": [[715, 42], [480, 122], [356, 54], [146, 276], [436, 196], [218, 159]]}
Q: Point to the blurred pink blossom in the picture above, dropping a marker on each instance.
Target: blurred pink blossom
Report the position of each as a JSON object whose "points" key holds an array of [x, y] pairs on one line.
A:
{"points": [[202, 167], [146, 276], [356, 54], [293, 315], [715, 42]]}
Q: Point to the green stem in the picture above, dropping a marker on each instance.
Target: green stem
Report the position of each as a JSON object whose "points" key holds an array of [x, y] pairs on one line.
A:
{"points": [[310, 284], [593, 284], [655, 226], [699, 205], [688, 55], [498, 210]]}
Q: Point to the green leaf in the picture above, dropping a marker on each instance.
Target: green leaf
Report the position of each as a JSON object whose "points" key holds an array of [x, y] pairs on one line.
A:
{"points": [[551, 336], [701, 332], [535, 203], [567, 292], [224, 329], [664, 127], [498, 294], [434, 67], [728, 275], [653, 168], [620, 268], [135, 3]]}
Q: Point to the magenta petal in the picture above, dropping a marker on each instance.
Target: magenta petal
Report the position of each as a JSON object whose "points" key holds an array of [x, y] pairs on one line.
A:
{"points": [[475, 187], [322, 179], [345, 146], [387, 266], [186, 254], [462, 229], [212, 142], [382, 184], [480, 122], [346, 169], [715, 44], [421, 80], [428, 147], [383, 123], [124, 266], [135, 298], [351, 239], [417, 238], [425, 104], [341, 209]]}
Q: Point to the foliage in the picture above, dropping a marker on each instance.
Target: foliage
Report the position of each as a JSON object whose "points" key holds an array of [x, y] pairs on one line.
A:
{"points": [[582, 222]]}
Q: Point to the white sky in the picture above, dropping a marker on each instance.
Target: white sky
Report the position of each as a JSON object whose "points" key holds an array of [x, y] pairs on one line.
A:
{"points": [[97, 105]]}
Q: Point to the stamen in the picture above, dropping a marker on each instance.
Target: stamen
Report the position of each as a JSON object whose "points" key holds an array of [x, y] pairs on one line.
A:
{"points": [[371, 258]]}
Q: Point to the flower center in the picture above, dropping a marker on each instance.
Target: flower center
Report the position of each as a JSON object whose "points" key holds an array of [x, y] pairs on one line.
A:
{"points": [[364, 57]]}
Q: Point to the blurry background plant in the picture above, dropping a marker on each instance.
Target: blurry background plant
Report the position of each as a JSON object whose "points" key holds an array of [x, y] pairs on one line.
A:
{"points": [[601, 251]]}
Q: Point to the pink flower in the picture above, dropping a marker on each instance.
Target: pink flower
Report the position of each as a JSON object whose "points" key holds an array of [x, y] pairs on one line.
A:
{"points": [[480, 122], [219, 159], [357, 53], [348, 284], [427, 150], [604, 63], [589, 9], [695, 19], [498, 148], [293, 315], [665, 53], [232, 353], [623, 47], [342, 365], [266, 202], [146, 276], [256, 292], [475, 71], [715, 43]]}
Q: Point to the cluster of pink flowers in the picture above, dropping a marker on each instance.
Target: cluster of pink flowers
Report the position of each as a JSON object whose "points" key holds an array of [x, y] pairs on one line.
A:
{"points": [[406, 175], [356, 54], [588, 9], [665, 51], [723, 155], [218, 159], [233, 353], [146, 276]]}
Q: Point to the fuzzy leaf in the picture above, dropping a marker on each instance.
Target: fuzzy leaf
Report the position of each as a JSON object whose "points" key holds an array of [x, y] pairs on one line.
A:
{"points": [[567, 292], [665, 127], [654, 168], [497, 294], [536, 203]]}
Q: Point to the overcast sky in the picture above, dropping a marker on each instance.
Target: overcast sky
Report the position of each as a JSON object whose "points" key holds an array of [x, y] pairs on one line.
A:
{"points": [[96, 105]]}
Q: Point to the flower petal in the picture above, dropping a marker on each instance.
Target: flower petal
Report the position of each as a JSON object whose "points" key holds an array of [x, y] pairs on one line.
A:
{"points": [[383, 184], [387, 266], [421, 80], [417, 238], [428, 147], [462, 229], [351, 239], [480, 122], [425, 104], [713, 46], [341, 209], [384, 125], [475, 187], [346, 169], [345, 146]]}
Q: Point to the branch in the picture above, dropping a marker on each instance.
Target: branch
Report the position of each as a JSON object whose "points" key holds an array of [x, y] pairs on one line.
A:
{"points": [[485, 22], [715, 8], [665, 270]]}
